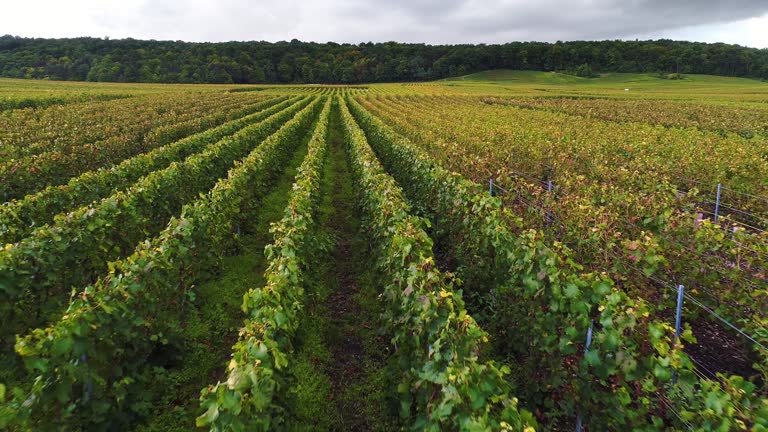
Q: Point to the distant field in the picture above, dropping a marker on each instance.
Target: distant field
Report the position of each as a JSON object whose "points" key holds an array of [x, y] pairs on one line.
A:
{"points": [[506, 250], [703, 87], [534, 77]]}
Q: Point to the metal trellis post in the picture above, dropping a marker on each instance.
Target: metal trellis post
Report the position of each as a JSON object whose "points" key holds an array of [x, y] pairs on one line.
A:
{"points": [[550, 188], [678, 319], [717, 203], [679, 312]]}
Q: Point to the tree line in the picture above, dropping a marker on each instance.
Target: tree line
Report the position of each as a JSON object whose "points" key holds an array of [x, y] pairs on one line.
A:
{"points": [[131, 60]]}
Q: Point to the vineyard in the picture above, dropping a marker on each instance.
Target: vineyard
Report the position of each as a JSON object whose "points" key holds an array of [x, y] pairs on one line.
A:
{"points": [[504, 251]]}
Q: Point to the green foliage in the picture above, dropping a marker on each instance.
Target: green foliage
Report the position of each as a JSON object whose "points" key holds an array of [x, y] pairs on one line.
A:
{"points": [[584, 71], [443, 384], [89, 366], [263, 351], [534, 297], [51, 147], [42, 102], [92, 364], [210, 325], [19, 218], [132, 60], [617, 218], [722, 119], [78, 246]]}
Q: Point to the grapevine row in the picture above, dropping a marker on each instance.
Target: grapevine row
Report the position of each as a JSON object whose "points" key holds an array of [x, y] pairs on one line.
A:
{"points": [[442, 384], [31, 174], [540, 308], [93, 363], [245, 401], [722, 118], [630, 233], [46, 101], [18, 218], [77, 247], [31, 132]]}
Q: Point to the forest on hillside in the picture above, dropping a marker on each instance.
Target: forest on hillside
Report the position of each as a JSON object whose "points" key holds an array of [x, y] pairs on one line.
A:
{"points": [[131, 60]]}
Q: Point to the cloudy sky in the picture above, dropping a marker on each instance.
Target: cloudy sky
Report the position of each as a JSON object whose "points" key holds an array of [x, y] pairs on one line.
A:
{"points": [[744, 22]]}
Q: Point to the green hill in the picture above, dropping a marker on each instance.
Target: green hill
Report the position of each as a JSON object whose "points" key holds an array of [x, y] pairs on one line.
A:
{"points": [[510, 77]]}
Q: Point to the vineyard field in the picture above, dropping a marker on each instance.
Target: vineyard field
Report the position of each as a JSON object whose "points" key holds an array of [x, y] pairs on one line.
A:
{"points": [[508, 250]]}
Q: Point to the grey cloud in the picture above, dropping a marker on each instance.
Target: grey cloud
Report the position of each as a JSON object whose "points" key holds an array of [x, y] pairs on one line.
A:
{"points": [[478, 21], [430, 21]]}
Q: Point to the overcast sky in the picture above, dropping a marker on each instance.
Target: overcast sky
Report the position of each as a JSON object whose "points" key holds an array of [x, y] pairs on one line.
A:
{"points": [[744, 22]]}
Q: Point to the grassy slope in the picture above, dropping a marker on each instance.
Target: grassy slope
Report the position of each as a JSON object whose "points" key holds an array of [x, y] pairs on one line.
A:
{"points": [[506, 77], [705, 88]]}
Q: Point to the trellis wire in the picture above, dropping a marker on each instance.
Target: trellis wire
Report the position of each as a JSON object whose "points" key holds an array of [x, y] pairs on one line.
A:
{"points": [[551, 218], [668, 403], [700, 305], [681, 295], [706, 309]]}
